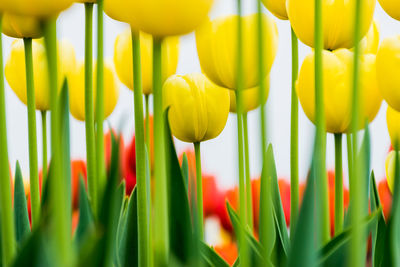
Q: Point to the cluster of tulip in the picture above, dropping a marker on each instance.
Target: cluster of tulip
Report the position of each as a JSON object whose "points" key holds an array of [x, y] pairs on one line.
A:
{"points": [[155, 216]]}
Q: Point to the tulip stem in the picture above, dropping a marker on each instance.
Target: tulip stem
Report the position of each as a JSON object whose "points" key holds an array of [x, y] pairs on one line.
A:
{"points": [[161, 237], [338, 184], [89, 116], [320, 139], [199, 191], [44, 147], [249, 197], [100, 166], [357, 183], [7, 217], [143, 229], [57, 196], [147, 129], [349, 155], [294, 136], [33, 161]]}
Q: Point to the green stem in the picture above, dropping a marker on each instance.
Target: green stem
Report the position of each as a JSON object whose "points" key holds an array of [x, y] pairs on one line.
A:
{"points": [[357, 183], [44, 144], [60, 224], [161, 236], [100, 162], [320, 141], [147, 129], [89, 116], [199, 192], [143, 233], [294, 136], [249, 198], [8, 244], [338, 185], [349, 154], [33, 161]]}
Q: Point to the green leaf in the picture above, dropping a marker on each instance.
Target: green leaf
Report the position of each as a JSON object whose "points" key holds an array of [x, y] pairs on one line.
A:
{"points": [[270, 171], [211, 257], [180, 224], [185, 171], [130, 257], [303, 252], [86, 221], [22, 226]]}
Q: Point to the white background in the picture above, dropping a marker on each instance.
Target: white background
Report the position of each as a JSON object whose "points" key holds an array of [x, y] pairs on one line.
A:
{"points": [[218, 155]]}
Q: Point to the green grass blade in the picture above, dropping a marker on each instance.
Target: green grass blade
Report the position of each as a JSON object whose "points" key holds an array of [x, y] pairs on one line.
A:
{"points": [[22, 226]]}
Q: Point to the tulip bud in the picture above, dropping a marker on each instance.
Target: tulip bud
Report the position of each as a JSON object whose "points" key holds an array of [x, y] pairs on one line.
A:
{"points": [[76, 81], [21, 26], [390, 165], [198, 109], [160, 18], [393, 124], [337, 73], [37, 8], [217, 43], [123, 59], [388, 69], [338, 21], [251, 98], [15, 70], [392, 7], [370, 43], [277, 7]]}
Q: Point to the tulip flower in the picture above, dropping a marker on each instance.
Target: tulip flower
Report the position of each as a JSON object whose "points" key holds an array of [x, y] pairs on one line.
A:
{"points": [[392, 7], [370, 43], [251, 98], [198, 109], [37, 8], [337, 33], [277, 7], [123, 59], [21, 26], [160, 18], [390, 170], [77, 92], [217, 45], [393, 124], [388, 69], [15, 70], [337, 73]]}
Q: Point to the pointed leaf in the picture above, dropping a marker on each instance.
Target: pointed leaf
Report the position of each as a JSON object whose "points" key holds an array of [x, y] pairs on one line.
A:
{"points": [[86, 222], [22, 226], [211, 257], [185, 171], [131, 245]]}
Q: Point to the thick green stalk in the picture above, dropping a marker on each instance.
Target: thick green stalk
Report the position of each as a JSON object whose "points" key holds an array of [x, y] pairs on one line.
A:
{"points": [[357, 183], [349, 155], [320, 139], [161, 234], [33, 161], [249, 197], [60, 224], [294, 136], [338, 185], [143, 230], [199, 192], [44, 147], [93, 182], [100, 161], [147, 128], [8, 244]]}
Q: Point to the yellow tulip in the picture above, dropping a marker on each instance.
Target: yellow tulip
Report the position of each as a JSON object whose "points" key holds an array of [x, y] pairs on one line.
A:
{"points": [[76, 82], [338, 21], [217, 49], [86, 1], [37, 8], [123, 59], [393, 124], [388, 69], [159, 17], [337, 73], [277, 7], [251, 98], [390, 165], [15, 70], [21, 26], [370, 43], [198, 109], [392, 7]]}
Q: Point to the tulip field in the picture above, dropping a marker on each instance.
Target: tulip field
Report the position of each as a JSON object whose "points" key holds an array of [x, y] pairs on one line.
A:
{"points": [[140, 201]]}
